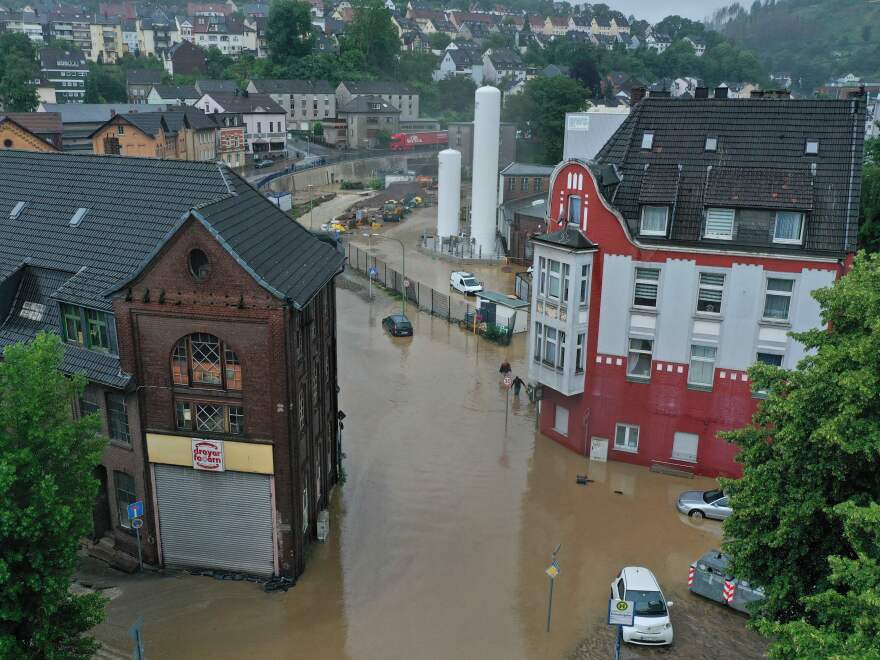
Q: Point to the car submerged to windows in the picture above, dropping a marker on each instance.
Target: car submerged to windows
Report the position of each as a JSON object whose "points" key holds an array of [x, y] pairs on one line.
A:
{"points": [[704, 504], [398, 325], [651, 624]]}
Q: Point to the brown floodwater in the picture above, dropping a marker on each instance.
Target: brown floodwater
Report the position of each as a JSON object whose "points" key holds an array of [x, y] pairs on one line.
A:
{"points": [[442, 532]]}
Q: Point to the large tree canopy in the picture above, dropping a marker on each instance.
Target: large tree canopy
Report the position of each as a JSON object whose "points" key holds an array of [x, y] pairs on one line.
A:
{"points": [[811, 482], [18, 70], [47, 492], [288, 31], [372, 33]]}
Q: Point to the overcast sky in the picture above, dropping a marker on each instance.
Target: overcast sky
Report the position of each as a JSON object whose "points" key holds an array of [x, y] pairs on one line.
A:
{"points": [[654, 10]]}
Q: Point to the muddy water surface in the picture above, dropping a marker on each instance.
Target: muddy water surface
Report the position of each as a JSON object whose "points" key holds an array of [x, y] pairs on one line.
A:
{"points": [[441, 534]]}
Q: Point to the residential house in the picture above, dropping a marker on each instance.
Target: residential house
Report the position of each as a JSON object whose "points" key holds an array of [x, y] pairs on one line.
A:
{"points": [[69, 24], [225, 33], [503, 64], [325, 44], [393, 93], [106, 37], [414, 41], [556, 26], [212, 9], [620, 25], [265, 121], [602, 26], [30, 131], [185, 385], [130, 37], [25, 21], [658, 42], [475, 31], [367, 117], [184, 28], [231, 139], [66, 71], [686, 85], [157, 34], [304, 101], [688, 251], [176, 134], [554, 71], [139, 82], [609, 41], [173, 95], [697, 44], [80, 120], [461, 62], [522, 205], [184, 59], [740, 90]]}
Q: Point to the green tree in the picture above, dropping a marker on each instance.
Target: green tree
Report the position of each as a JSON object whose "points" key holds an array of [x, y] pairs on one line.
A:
{"points": [[373, 34], [813, 445], [47, 492], [18, 70], [869, 220], [288, 31], [218, 64], [540, 111], [318, 130], [439, 40], [105, 84], [848, 613]]}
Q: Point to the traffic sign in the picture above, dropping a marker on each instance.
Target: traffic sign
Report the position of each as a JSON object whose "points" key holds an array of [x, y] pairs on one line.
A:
{"points": [[137, 523], [136, 510], [620, 612], [553, 570], [508, 381], [372, 272], [407, 283]]}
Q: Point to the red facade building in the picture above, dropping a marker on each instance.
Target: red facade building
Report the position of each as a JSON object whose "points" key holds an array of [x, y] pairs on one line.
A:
{"points": [[684, 255]]}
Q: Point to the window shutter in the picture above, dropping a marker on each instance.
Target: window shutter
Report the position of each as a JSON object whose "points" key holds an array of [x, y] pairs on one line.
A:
{"points": [[719, 223]]}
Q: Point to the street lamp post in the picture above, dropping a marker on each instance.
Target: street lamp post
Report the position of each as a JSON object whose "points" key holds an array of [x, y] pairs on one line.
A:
{"points": [[402, 267], [311, 206]]}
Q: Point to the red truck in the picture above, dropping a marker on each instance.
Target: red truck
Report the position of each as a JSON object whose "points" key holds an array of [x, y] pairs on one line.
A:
{"points": [[406, 141]]}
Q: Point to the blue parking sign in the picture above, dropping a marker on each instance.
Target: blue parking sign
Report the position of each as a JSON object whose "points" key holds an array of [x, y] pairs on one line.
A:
{"points": [[136, 510]]}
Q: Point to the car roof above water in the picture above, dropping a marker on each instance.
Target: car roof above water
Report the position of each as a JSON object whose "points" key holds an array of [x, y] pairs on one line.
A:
{"points": [[639, 578]]}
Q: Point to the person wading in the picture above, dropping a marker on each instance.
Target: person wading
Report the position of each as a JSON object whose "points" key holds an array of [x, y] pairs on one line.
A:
{"points": [[517, 385]]}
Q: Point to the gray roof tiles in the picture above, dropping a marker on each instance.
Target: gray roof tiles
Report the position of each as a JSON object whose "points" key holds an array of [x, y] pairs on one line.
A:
{"points": [[294, 86]]}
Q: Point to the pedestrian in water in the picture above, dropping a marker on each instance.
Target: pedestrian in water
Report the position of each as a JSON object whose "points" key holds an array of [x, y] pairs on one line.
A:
{"points": [[517, 385]]}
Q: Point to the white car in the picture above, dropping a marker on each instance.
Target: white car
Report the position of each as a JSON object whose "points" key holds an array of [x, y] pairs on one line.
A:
{"points": [[464, 283], [651, 624]]}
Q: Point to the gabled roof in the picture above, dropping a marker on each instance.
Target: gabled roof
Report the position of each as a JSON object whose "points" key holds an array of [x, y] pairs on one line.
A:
{"points": [[465, 56], [527, 169], [367, 104], [38, 123], [760, 163], [176, 91], [376, 87], [294, 86], [505, 58], [88, 113], [207, 86], [135, 205], [144, 76], [566, 238], [250, 104]]}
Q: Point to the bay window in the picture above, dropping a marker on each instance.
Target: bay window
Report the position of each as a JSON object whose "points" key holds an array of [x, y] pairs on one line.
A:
{"points": [[579, 354], [584, 285], [549, 346], [554, 284]]}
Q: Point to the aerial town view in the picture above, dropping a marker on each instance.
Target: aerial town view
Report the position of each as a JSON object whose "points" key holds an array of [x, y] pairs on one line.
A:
{"points": [[391, 330]]}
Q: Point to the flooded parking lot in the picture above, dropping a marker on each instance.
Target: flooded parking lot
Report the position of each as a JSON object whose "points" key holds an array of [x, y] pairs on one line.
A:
{"points": [[442, 531]]}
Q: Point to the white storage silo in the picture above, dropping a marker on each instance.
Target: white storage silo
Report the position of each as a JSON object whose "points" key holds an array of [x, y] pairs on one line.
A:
{"points": [[484, 195], [448, 192]]}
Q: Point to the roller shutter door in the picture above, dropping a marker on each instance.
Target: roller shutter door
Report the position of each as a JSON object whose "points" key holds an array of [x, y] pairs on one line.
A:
{"points": [[215, 520]]}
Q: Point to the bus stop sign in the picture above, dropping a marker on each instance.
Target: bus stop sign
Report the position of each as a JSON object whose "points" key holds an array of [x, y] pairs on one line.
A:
{"points": [[620, 612]]}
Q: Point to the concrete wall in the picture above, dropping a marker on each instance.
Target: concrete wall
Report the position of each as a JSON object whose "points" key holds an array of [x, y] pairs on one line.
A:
{"points": [[351, 170]]}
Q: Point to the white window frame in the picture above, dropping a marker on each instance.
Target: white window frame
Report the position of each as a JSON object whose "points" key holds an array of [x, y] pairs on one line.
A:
{"points": [[790, 241], [654, 232], [646, 281], [556, 420], [628, 430], [716, 236], [580, 353], [539, 341], [778, 293], [702, 359], [542, 275], [548, 341], [550, 278], [811, 148], [710, 286], [580, 204], [583, 286], [639, 351]]}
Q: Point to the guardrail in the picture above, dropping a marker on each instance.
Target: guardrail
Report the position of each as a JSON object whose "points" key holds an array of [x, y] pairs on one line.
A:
{"points": [[332, 159]]}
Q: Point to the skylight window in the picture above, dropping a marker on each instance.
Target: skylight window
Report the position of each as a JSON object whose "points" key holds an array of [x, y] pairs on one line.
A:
{"points": [[812, 148], [16, 210], [32, 310], [647, 141], [78, 216], [711, 144]]}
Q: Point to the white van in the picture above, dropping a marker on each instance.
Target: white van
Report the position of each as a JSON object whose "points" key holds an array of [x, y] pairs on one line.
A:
{"points": [[465, 283]]}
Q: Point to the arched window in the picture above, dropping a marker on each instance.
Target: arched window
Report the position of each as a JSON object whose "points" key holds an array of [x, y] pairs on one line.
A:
{"points": [[202, 359]]}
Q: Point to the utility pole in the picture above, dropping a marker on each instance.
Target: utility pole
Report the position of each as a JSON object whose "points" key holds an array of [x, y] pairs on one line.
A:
{"points": [[403, 267], [311, 206], [552, 572]]}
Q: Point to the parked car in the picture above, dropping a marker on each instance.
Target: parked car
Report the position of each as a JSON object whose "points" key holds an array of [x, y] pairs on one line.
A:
{"points": [[651, 624], [704, 504], [398, 325], [709, 577], [265, 162], [464, 283]]}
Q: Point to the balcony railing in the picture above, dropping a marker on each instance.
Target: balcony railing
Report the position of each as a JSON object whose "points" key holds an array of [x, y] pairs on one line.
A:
{"points": [[264, 136]]}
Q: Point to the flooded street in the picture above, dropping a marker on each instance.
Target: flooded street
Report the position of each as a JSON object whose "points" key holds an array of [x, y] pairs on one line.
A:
{"points": [[442, 532]]}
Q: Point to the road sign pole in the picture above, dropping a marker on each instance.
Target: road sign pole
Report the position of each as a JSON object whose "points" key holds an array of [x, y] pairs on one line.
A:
{"points": [[550, 604], [617, 643], [140, 558], [506, 407]]}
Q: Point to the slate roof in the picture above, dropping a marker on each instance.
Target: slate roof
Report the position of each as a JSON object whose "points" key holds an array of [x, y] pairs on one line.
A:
{"points": [[567, 238], [250, 104], [134, 206], [144, 76], [52, 58], [365, 104], [760, 163], [527, 169], [465, 56], [207, 86], [93, 113], [177, 91], [505, 58], [377, 87], [294, 86]]}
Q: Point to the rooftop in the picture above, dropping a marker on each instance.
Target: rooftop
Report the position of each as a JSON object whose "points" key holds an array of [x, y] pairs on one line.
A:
{"points": [[294, 86], [367, 104], [246, 103]]}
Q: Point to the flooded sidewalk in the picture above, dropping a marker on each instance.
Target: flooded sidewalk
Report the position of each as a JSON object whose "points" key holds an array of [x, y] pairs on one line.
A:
{"points": [[440, 536]]}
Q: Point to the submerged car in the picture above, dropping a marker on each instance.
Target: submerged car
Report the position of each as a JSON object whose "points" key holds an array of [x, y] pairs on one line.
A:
{"points": [[704, 504], [260, 164], [651, 624], [710, 577], [398, 325], [465, 283]]}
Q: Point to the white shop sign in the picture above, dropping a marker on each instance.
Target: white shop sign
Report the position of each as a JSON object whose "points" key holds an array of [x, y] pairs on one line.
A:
{"points": [[207, 455]]}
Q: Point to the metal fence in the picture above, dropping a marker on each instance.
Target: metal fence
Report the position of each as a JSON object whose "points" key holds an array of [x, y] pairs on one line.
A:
{"points": [[426, 298], [460, 247]]}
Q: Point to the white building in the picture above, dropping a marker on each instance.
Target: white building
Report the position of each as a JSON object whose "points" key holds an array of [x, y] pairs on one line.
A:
{"points": [[265, 121]]}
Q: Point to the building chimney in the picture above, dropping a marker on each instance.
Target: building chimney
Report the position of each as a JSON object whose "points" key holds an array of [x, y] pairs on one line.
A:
{"points": [[701, 93], [636, 94], [721, 92]]}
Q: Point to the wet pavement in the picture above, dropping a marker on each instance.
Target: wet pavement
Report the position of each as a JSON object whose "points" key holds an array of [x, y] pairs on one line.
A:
{"points": [[442, 532]]}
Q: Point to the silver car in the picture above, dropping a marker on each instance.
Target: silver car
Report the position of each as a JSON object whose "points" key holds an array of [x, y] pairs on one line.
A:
{"points": [[704, 504]]}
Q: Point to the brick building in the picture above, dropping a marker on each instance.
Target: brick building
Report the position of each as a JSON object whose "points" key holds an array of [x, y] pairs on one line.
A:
{"points": [[209, 344], [683, 255]]}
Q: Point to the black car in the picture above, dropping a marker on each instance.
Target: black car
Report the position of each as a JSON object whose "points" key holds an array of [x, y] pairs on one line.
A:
{"points": [[260, 164], [398, 325]]}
